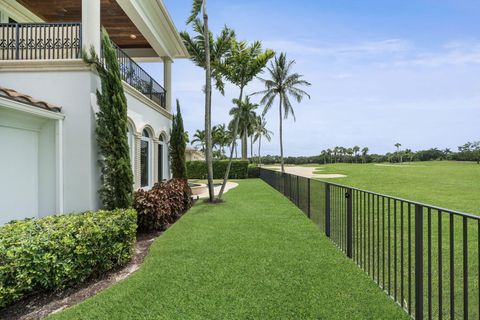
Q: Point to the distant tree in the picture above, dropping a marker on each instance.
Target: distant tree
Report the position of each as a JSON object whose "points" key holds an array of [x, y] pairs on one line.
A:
{"points": [[349, 152], [262, 131], [245, 117], [283, 84], [221, 138], [178, 146], [356, 149], [111, 130], [364, 154], [398, 145], [199, 139]]}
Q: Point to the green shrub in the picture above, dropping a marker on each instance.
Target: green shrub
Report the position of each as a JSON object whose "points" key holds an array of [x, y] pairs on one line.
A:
{"points": [[198, 169], [253, 171], [162, 205], [57, 251]]}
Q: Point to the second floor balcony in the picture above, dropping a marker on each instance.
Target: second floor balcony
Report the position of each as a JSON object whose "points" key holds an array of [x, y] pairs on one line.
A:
{"points": [[55, 41]]}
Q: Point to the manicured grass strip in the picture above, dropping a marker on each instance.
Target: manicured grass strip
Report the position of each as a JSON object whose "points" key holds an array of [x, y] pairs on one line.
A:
{"points": [[254, 257]]}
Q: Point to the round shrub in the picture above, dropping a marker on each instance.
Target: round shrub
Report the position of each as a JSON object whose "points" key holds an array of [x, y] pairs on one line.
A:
{"points": [[162, 205]]}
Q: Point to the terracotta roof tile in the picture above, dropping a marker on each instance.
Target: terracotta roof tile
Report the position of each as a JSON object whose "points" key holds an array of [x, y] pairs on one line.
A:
{"points": [[24, 98]]}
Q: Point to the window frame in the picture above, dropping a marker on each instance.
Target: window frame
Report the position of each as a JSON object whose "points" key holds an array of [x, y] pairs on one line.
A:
{"points": [[149, 142]]}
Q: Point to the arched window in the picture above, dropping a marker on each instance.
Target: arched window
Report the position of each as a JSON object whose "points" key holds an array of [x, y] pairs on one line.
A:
{"points": [[131, 148], [161, 157], [146, 160]]}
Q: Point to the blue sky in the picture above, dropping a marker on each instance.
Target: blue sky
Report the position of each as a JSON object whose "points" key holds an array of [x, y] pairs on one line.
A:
{"points": [[382, 71]]}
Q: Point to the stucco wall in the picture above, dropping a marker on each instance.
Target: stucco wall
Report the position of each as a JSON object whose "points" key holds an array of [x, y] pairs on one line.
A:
{"points": [[74, 91], [71, 90]]}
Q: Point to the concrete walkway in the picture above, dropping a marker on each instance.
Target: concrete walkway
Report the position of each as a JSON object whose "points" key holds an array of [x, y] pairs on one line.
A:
{"points": [[216, 190], [308, 172]]}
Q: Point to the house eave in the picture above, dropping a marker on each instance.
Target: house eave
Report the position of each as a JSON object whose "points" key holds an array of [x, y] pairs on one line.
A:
{"points": [[154, 22]]}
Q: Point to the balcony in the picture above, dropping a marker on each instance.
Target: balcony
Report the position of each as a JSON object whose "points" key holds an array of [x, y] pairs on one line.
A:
{"points": [[54, 41]]}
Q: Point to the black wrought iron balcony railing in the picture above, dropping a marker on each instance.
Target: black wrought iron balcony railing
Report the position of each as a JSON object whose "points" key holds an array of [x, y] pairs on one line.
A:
{"points": [[138, 78], [53, 41], [40, 41]]}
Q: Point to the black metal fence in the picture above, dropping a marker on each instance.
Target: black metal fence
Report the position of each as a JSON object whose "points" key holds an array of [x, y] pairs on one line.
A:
{"points": [[138, 78], [40, 41], [424, 257]]}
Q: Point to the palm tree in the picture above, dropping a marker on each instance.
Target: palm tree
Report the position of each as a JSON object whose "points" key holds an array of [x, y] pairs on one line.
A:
{"points": [[282, 84], [221, 137], [261, 131], [364, 154], [245, 117], [241, 65], [324, 155], [204, 52], [356, 149], [349, 152], [329, 152], [398, 145], [199, 139]]}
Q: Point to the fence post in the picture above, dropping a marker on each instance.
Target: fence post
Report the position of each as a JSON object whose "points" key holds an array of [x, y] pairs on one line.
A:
{"points": [[418, 262], [308, 198], [349, 197], [327, 210]]}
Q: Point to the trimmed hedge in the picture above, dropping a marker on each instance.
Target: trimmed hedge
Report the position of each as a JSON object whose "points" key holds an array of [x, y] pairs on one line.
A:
{"points": [[162, 205], [253, 171], [57, 251], [198, 169]]}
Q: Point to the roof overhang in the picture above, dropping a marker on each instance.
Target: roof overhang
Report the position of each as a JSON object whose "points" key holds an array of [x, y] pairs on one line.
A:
{"points": [[154, 22]]}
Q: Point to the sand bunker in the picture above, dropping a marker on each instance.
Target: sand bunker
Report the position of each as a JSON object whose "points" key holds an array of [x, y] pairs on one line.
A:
{"points": [[329, 176], [398, 165], [308, 172]]}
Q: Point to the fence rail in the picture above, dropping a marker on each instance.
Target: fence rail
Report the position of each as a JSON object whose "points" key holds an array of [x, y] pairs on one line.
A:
{"points": [[424, 257], [40, 41]]}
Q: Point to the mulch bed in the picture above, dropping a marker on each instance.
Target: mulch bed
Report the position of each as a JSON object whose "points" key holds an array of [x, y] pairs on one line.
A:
{"points": [[41, 304]]}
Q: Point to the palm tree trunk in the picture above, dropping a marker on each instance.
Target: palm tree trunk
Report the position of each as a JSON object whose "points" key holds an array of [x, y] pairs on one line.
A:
{"points": [[208, 106], [259, 156], [244, 147], [281, 136], [235, 132], [251, 147], [236, 151]]}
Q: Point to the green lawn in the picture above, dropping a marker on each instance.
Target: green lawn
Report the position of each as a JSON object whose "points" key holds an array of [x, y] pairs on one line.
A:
{"points": [[452, 185], [254, 257]]}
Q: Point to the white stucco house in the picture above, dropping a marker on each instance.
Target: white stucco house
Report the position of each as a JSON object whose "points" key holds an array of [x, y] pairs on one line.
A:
{"points": [[192, 154], [48, 154]]}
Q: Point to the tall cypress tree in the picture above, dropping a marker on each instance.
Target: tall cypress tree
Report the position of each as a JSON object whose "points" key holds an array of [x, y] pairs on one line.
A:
{"points": [[178, 145], [112, 141]]}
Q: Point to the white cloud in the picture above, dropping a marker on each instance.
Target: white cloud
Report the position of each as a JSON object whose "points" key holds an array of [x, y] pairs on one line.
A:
{"points": [[387, 46]]}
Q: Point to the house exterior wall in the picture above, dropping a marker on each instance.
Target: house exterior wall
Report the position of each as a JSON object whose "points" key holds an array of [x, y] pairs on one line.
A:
{"points": [[74, 89], [74, 92]]}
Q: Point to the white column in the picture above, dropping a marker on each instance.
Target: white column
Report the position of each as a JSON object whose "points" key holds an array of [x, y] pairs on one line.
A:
{"points": [[91, 24], [167, 82]]}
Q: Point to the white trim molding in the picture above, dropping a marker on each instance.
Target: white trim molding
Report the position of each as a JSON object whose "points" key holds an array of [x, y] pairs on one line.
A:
{"points": [[23, 107], [154, 22], [19, 13]]}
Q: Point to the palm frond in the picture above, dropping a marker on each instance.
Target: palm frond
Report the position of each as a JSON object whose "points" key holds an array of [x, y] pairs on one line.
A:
{"points": [[196, 8]]}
